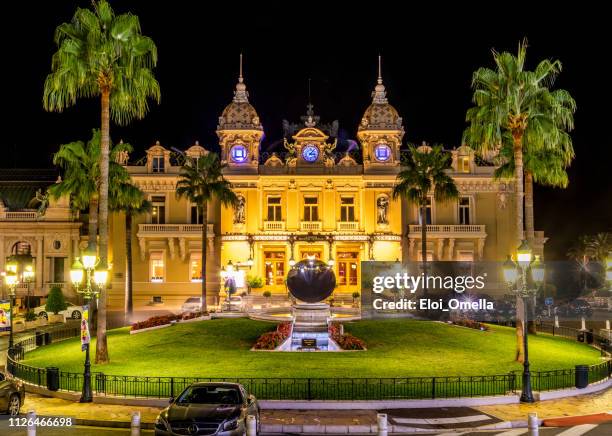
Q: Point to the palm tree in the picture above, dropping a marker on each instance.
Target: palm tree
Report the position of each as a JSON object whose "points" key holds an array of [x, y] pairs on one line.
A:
{"points": [[106, 55], [129, 199], [425, 173], [599, 246], [514, 105], [201, 179]]}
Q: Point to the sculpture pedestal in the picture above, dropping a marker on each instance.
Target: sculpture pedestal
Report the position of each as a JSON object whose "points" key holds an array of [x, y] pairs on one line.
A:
{"points": [[311, 316]]}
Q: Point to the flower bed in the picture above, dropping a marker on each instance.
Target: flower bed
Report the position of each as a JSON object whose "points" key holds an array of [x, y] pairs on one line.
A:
{"points": [[192, 315], [346, 341], [470, 323], [155, 321], [271, 340]]}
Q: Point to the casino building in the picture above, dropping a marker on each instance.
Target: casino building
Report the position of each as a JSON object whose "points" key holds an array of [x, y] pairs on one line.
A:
{"points": [[307, 200]]}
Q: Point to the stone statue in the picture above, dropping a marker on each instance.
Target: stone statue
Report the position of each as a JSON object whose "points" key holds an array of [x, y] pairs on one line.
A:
{"points": [[239, 212], [382, 205]]}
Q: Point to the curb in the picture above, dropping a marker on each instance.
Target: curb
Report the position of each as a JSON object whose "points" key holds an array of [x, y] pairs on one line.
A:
{"points": [[570, 421], [112, 424]]}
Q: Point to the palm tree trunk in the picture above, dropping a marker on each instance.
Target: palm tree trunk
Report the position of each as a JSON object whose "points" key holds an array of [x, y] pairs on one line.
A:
{"points": [[203, 265], [518, 175], [92, 231], [424, 243], [101, 344], [129, 309], [529, 210]]}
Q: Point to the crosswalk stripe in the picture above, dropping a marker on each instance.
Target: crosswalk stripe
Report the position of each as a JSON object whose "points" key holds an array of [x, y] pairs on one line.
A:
{"points": [[513, 432], [578, 430], [459, 419]]}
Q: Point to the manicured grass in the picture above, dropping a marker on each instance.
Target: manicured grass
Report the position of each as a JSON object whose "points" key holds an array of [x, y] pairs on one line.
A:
{"points": [[396, 348]]}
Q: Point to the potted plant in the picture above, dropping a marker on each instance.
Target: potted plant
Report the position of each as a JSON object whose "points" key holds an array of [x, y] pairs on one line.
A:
{"points": [[356, 296], [55, 304], [254, 282], [267, 295], [30, 319]]}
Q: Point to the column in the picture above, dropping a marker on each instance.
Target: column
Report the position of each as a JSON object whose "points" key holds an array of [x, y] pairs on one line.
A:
{"points": [[39, 263], [440, 246], [2, 254], [451, 248]]}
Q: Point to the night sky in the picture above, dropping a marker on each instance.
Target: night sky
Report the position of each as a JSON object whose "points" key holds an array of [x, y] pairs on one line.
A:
{"points": [[428, 59]]}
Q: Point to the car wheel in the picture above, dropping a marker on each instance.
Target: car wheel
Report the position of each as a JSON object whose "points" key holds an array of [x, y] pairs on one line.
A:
{"points": [[43, 315], [76, 315], [14, 405]]}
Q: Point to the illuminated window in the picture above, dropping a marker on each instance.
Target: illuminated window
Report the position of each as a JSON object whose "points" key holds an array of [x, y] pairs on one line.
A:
{"points": [[464, 164], [347, 209], [158, 164], [347, 268], [274, 266], [195, 267], [274, 209], [156, 267], [239, 153], [158, 210], [464, 210], [196, 216], [311, 208], [427, 212]]}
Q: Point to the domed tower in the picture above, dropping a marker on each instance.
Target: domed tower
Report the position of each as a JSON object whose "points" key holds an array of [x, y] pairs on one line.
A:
{"points": [[380, 131], [240, 131]]}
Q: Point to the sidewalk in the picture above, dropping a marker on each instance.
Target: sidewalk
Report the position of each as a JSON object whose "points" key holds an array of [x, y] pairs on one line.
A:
{"points": [[116, 415]]}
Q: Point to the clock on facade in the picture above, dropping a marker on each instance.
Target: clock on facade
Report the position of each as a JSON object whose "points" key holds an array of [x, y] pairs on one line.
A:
{"points": [[239, 153], [310, 153], [382, 152]]}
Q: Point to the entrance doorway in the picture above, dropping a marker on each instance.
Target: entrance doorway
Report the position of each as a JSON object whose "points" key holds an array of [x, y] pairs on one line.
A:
{"points": [[314, 252], [347, 272]]}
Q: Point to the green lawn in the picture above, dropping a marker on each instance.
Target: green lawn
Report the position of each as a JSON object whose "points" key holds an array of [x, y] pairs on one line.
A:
{"points": [[396, 348]]}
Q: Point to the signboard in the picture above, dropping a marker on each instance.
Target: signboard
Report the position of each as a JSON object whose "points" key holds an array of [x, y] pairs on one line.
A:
{"points": [[85, 337], [309, 343], [5, 315], [548, 301]]}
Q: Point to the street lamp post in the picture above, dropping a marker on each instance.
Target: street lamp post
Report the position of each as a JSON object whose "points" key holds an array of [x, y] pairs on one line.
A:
{"points": [[18, 270], [516, 275], [11, 281], [89, 290]]}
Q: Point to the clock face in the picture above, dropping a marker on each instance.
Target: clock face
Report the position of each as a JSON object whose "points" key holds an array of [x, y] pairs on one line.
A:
{"points": [[310, 153], [382, 152], [239, 153]]}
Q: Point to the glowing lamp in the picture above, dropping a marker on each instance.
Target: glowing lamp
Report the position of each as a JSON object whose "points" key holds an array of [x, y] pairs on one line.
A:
{"points": [[291, 262], [76, 272], [101, 276], [510, 273], [28, 274], [537, 271], [524, 254], [249, 262], [11, 266], [89, 257], [10, 278], [331, 262], [229, 268]]}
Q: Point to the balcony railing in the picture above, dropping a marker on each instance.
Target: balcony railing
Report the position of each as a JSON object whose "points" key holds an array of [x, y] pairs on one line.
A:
{"points": [[450, 228], [29, 215], [311, 226], [274, 226], [173, 229], [347, 225]]}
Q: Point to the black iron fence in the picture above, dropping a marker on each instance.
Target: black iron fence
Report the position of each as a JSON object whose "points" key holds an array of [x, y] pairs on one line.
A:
{"points": [[348, 389]]}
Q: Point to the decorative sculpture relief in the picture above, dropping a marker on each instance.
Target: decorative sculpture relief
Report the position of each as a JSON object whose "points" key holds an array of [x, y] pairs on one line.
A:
{"points": [[239, 210], [382, 206]]}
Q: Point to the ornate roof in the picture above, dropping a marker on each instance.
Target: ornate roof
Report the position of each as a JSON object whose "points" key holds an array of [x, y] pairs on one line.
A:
{"points": [[380, 115], [239, 114]]}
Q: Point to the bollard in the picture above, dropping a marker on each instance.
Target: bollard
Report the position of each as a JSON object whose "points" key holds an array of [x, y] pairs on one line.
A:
{"points": [[381, 420], [251, 424], [532, 423], [31, 419], [135, 425], [583, 321], [607, 324], [556, 321]]}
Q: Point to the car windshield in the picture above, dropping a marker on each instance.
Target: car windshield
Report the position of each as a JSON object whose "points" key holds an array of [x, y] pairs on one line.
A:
{"points": [[193, 300], [210, 395]]}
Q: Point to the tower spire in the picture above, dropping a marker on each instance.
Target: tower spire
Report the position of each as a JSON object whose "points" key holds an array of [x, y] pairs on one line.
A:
{"points": [[310, 120], [379, 95], [240, 94]]}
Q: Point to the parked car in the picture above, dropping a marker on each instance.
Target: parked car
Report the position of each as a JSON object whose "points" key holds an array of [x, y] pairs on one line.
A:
{"points": [[192, 304], [12, 394], [208, 409], [233, 304], [72, 310], [577, 308]]}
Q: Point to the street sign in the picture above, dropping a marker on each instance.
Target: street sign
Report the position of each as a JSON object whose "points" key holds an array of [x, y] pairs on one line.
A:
{"points": [[548, 301]]}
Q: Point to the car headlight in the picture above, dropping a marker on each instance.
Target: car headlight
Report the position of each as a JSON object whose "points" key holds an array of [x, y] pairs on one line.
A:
{"points": [[231, 424], [161, 423]]}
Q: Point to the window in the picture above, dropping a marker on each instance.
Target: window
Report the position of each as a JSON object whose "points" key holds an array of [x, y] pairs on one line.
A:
{"points": [[58, 270], [274, 209], [195, 267], [347, 209], [157, 299], [274, 266], [311, 209], [196, 216], [464, 210], [158, 164], [156, 267], [463, 164], [158, 210], [427, 212]]}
